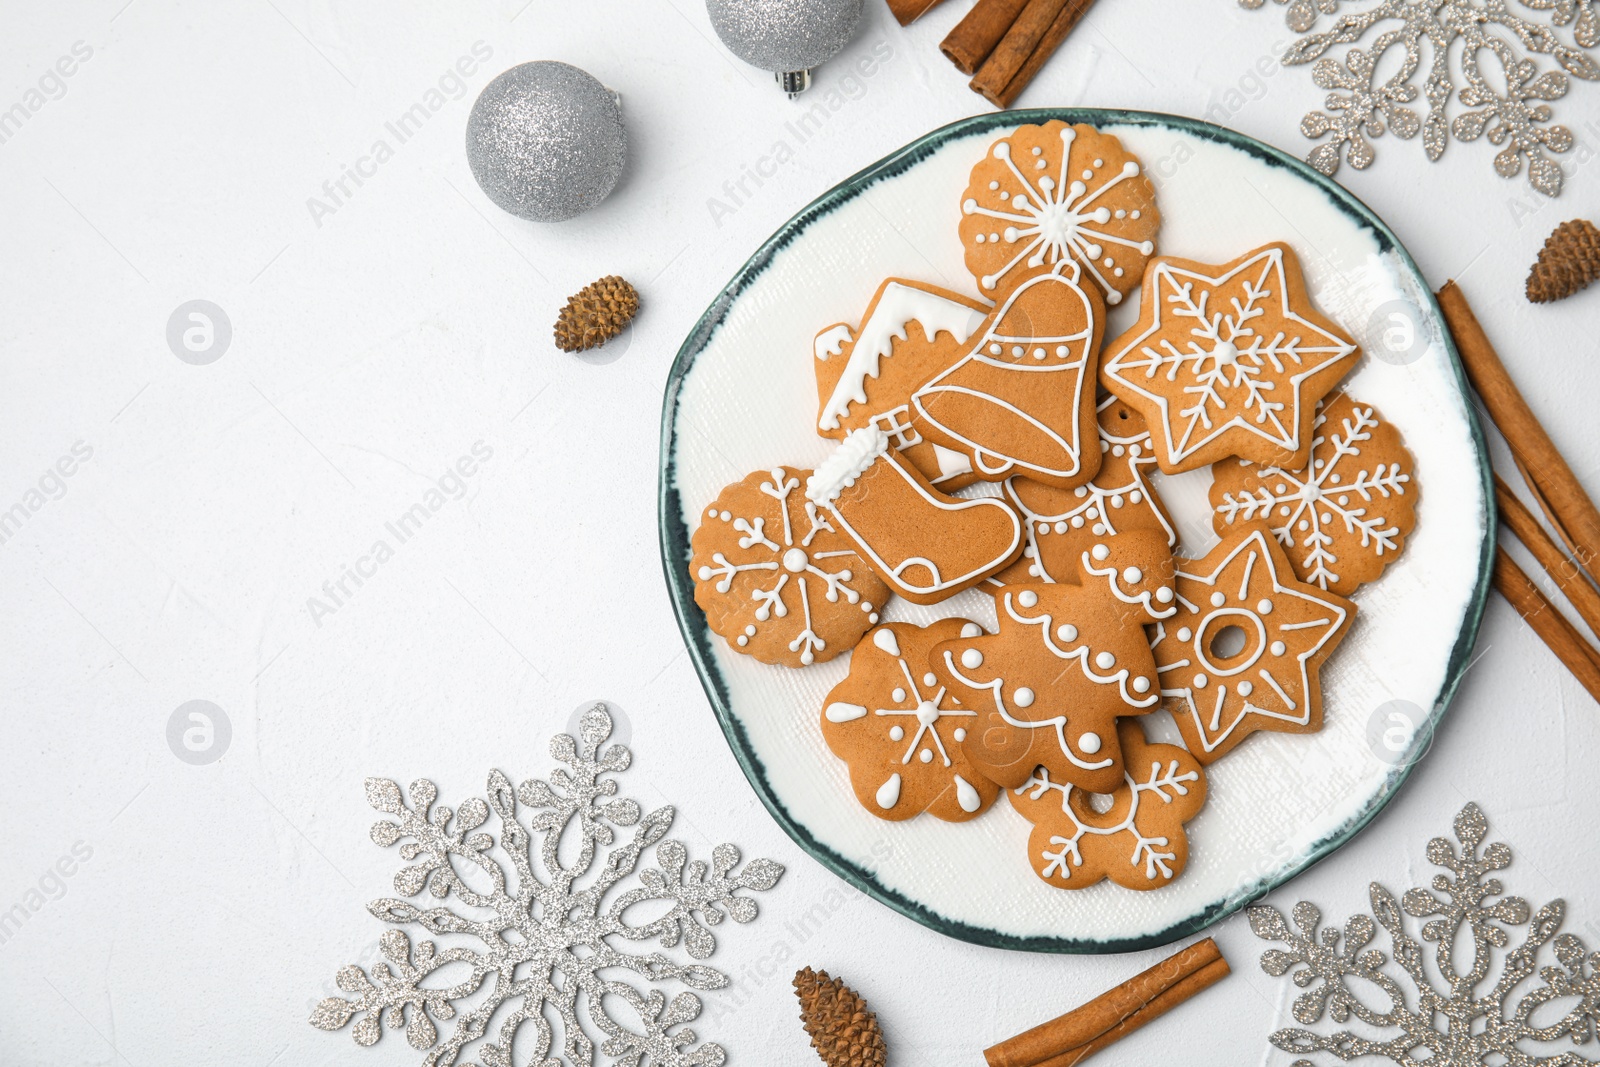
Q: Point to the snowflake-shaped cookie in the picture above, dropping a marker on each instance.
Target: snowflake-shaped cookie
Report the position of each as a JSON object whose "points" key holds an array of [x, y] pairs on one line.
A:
{"points": [[1049, 686], [1048, 193], [1343, 518], [900, 729], [775, 578], [1228, 360], [1138, 841], [1062, 524], [1243, 651]]}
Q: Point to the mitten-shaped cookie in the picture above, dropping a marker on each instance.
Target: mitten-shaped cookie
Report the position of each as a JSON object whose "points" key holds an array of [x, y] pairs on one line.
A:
{"points": [[1021, 401], [925, 544], [900, 729], [1137, 840], [1049, 686], [865, 377], [1243, 651]]}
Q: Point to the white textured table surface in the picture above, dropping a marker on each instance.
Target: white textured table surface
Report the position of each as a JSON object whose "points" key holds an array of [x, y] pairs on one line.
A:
{"points": [[378, 339]]}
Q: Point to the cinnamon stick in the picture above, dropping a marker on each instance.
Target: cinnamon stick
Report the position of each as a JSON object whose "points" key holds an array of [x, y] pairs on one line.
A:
{"points": [[906, 12], [1114, 1013], [1551, 626], [975, 36], [1552, 478], [1567, 575], [1164, 1002], [1036, 34]]}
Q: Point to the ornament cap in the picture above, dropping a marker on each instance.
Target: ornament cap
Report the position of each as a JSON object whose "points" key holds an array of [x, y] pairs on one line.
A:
{"points": [[793, 82]]}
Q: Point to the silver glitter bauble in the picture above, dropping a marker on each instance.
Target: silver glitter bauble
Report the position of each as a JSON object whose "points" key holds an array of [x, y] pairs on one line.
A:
{"points": [[787, 37], [545, 141]]}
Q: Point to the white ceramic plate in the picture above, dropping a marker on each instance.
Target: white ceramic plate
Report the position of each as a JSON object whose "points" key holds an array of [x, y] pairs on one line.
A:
{"points": [[742, 398]]}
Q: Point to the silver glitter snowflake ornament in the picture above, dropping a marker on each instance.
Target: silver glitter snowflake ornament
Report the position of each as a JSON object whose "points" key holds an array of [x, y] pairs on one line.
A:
{"points": [[1448, 1021], [1506, 102], [537, 935]]}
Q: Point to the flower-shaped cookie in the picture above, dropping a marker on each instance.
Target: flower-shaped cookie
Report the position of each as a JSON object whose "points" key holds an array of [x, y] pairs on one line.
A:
{"points": [[775, 579], [1342, 518], [1138, 841], [1062, 524], [900, 729], [1047, 193], [1228, 360], [1049, 686], [1244, 649], [865, 377]]}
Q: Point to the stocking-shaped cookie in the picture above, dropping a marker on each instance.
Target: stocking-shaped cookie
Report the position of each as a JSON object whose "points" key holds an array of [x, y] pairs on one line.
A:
{"points": [[865, 377], [900, 729], [1059, 525], [1021, 401], [1137, 841], [1049, 686], [1244, 649], [926, 545]]}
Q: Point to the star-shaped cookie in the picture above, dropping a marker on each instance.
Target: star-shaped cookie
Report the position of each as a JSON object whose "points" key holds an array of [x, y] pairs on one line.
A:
{"points": [[1049, 686], [1228, 360], [1243, 651]]}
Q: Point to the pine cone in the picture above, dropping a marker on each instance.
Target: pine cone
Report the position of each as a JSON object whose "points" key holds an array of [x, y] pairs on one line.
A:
{"points": [[1569, 261], [596, 314], [842, 1030]]}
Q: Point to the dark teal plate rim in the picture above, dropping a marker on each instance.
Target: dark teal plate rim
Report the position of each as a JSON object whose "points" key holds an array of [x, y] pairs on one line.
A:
{"points": [[675, 550]]}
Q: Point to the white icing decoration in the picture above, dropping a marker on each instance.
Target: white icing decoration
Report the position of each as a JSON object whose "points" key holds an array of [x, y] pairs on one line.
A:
{"points": [[841, 712], [1027, 598], [1089, 743], [889, 792], [896, 733], [858, 451], [966, 795], [885, 640], [897, 306], [1023, 697], [971, 629], [831, 342], [971, 659], [1067, 632]]}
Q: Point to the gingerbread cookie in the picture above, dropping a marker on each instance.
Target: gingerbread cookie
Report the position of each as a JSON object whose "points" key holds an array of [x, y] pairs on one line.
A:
{"points": [[775, 578], [1244, 649], [1228, 360], [900, 730], [1049, 686], [1045, 194], [1138, 841], [1021, 401], [1342, 518], [1061, 524], [925, 544], [865, 376]]}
